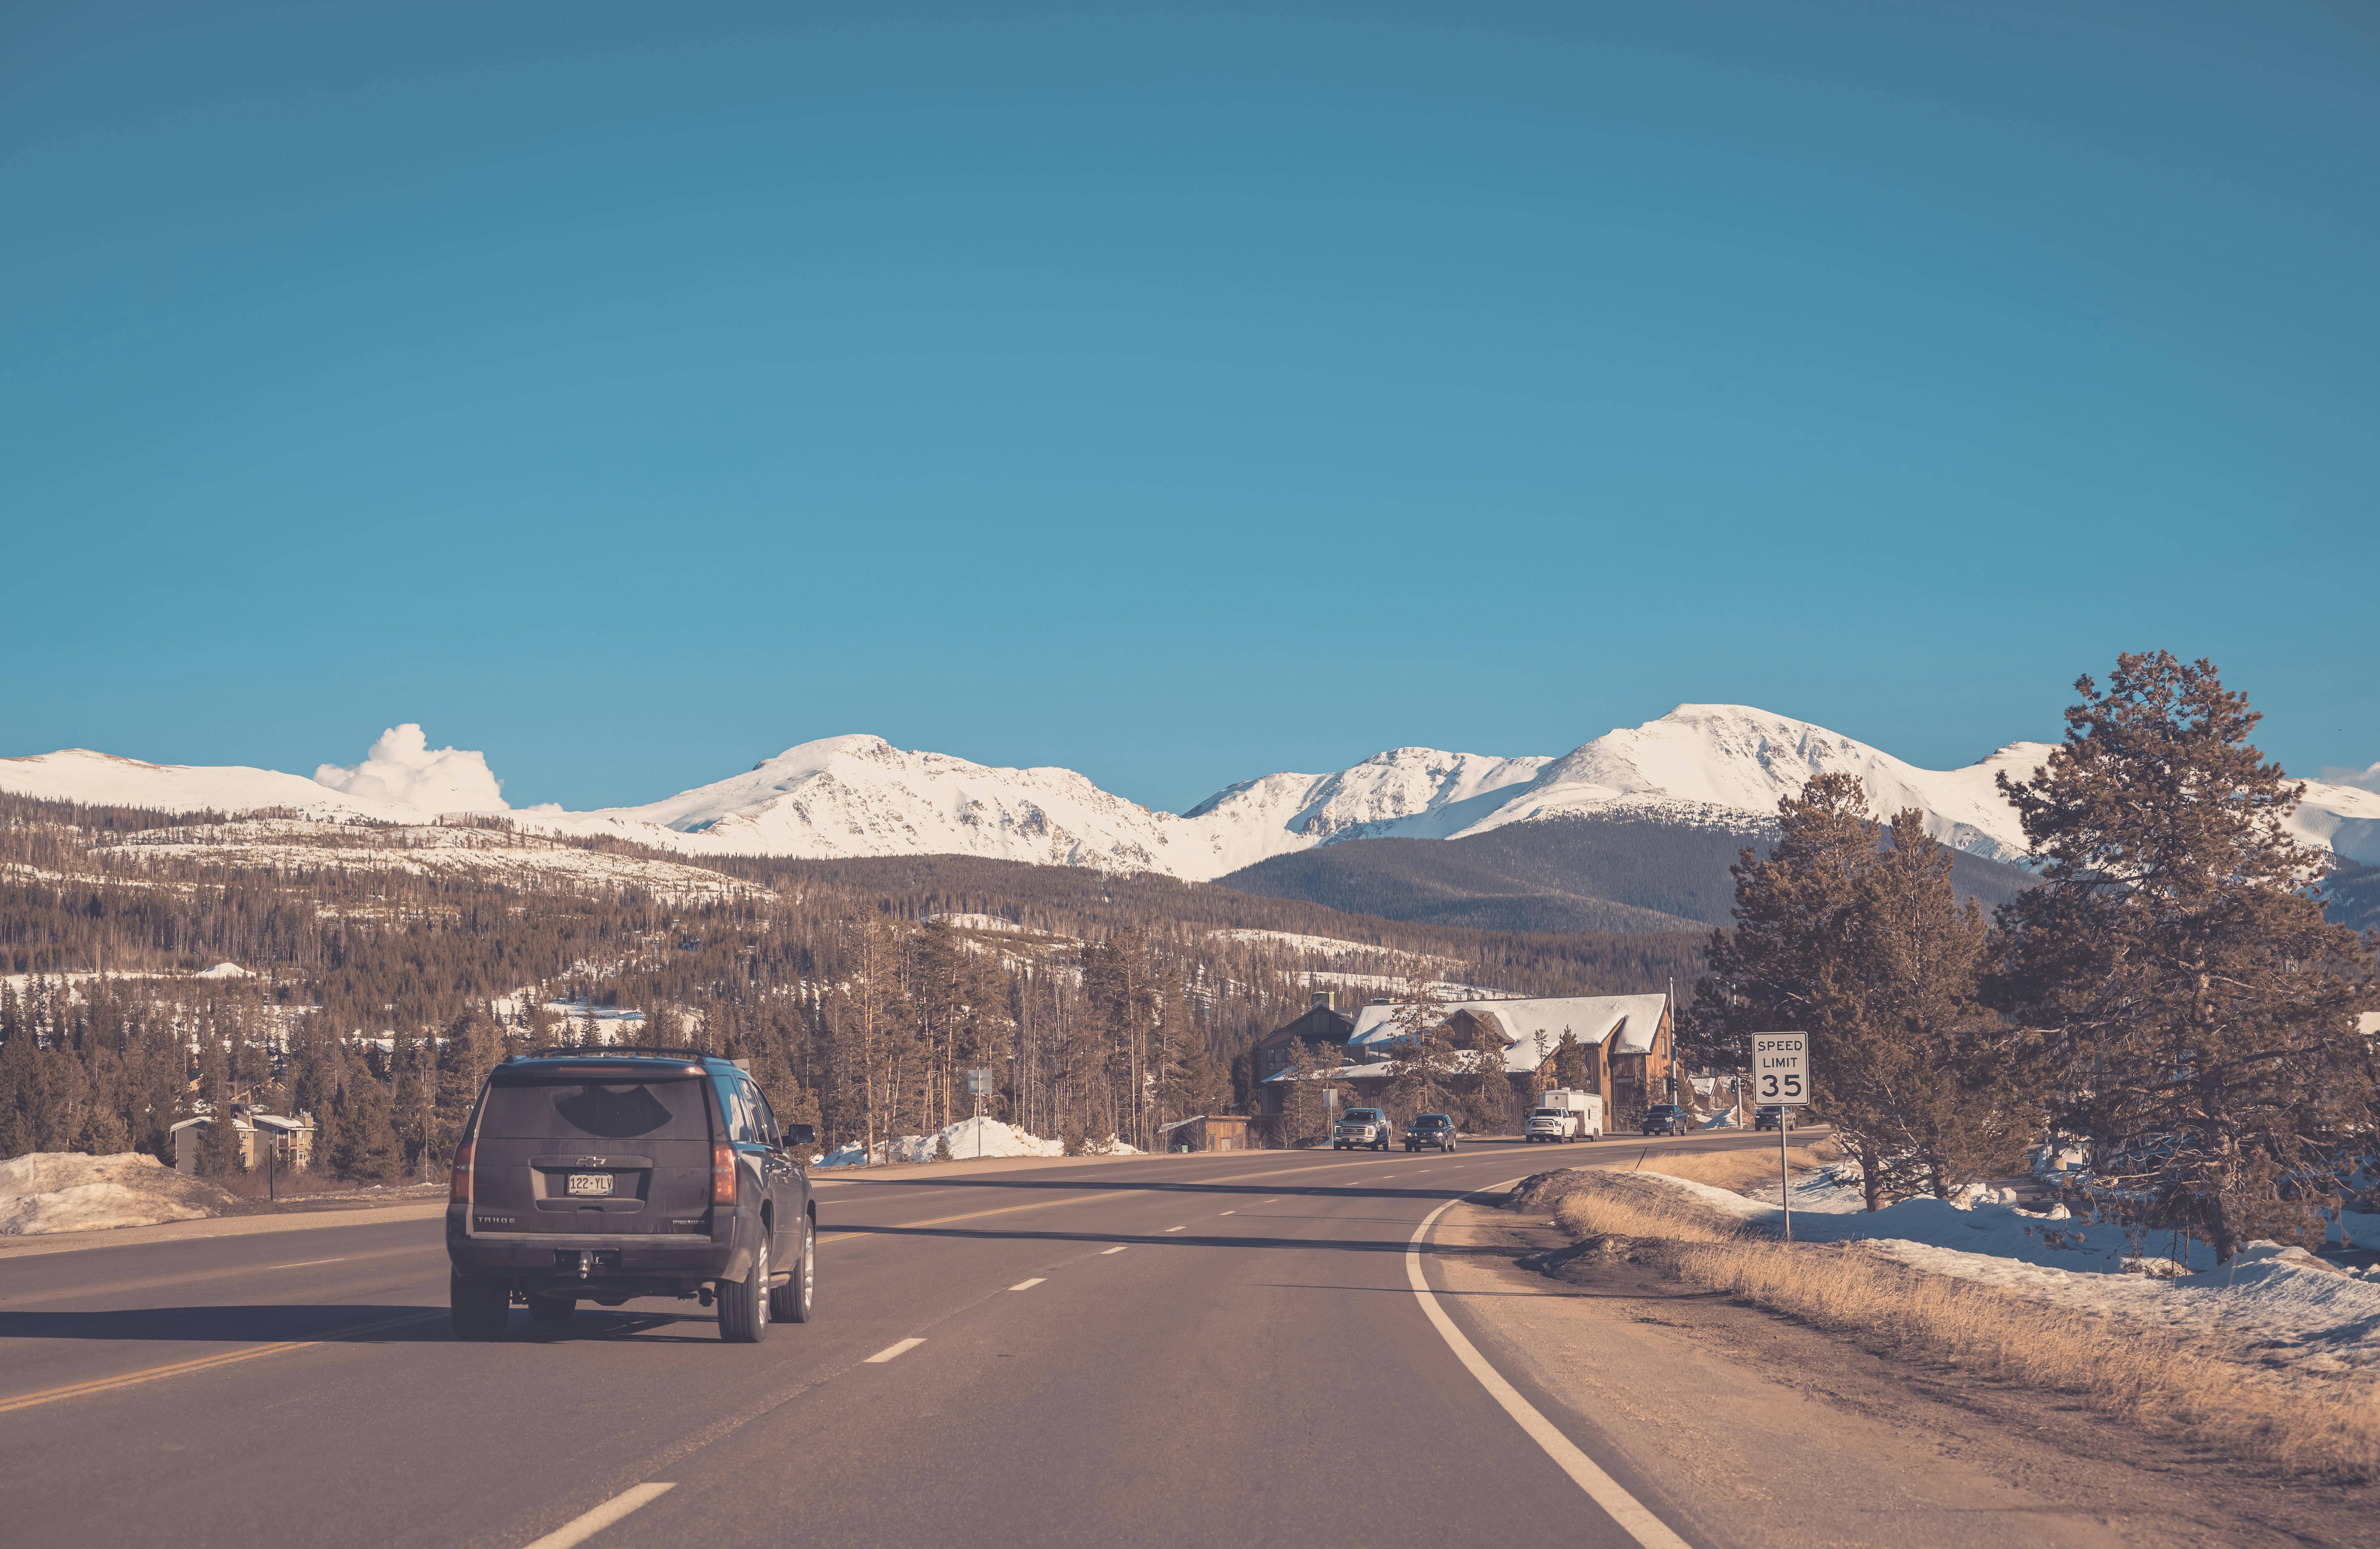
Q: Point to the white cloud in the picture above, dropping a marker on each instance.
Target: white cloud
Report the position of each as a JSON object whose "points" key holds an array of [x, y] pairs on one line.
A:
{"points": [[402, 766], [2368, 780]]}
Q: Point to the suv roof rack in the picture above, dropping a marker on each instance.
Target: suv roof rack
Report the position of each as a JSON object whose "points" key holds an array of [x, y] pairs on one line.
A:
{"points": [[685, 1052]]}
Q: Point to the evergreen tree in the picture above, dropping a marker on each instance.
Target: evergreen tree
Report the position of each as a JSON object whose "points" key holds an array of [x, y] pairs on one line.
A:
{"points": [[366, 1148], [1854, 935], [2178, 953], [1570, 1063], [219, 1148], [1492, 1105], [1952, 1094], [1425, 1067]]}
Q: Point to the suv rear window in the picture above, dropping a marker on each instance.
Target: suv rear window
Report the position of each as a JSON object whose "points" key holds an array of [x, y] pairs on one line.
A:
{"points": [[608, 1110]]}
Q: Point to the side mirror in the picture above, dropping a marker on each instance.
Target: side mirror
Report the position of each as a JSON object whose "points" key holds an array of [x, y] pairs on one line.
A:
{"points": [[801, 1134]]}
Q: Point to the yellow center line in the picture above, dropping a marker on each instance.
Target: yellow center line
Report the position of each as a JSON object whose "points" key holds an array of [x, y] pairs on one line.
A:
{"points": [[180, 1368]]}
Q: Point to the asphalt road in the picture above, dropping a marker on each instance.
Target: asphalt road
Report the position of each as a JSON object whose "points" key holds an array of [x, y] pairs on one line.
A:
{"points": [[1169, 1350]]}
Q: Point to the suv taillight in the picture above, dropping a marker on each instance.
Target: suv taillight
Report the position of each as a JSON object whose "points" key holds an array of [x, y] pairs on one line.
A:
{"points": [[722, 1175], [459, 1189]]}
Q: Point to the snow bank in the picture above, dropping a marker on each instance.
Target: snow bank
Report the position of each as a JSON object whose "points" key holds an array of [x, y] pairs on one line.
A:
{"points": [[2303, 1314], [968, 1139], [67, 1191]]}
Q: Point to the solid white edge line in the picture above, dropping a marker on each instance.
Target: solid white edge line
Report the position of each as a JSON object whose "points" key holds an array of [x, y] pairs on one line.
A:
{"points": [[889, 1351], [581, 1528], [1605, 1491], [1029, 1284]]}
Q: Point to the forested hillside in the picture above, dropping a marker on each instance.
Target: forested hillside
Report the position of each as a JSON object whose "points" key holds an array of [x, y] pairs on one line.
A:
{"points": [[379, 969], [1565, 874]]}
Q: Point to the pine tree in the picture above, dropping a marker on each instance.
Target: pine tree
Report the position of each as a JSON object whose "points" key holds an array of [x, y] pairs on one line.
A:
{"points": [[1853, 934], [219, 1148], [366, 1149], [2179, 954], [1951, 1094], [1424, 1065], [1491, 1106]]}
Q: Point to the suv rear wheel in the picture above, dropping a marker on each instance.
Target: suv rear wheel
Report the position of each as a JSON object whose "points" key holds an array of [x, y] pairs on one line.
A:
{"points": [[744, 1304], [477, 1308], [790, 1303]]}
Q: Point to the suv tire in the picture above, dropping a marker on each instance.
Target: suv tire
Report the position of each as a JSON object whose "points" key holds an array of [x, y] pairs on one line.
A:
{"points": [[479, 1307], [744, 1304], [790, 1303]]}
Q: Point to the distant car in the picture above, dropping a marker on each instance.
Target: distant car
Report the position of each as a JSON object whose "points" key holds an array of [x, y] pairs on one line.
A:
{"points": [[1667, 1118], [1771, 1116], [603, 1175], [1430, 1129], [1367, 1128]]}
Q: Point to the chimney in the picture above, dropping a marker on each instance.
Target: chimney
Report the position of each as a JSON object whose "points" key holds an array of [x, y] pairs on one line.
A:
{"points": [[1321, 1001]]}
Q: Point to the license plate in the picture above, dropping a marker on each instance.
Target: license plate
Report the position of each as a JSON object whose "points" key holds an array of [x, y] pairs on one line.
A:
{"points": [[590, 1183]]}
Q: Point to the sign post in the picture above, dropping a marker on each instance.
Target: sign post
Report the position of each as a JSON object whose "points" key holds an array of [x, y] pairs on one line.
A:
{"points": [[1780, 1074]]}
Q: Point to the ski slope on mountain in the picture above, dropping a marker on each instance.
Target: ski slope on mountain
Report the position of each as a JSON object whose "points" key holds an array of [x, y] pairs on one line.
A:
{"points": [[858, 796]]}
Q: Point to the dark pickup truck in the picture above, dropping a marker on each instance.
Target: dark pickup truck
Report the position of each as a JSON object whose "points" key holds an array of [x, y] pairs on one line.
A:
{"points": [[602, 1175], [1667, 1118]]}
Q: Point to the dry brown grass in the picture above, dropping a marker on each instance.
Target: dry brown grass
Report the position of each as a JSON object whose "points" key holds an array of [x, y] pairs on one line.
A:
{"points": [[1740, 1170], [2199, 1388]]}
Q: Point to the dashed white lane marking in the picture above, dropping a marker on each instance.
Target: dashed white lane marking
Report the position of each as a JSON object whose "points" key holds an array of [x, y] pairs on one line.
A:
{"points": [[1175, 1228], [581, 1528], [1117, 1248], [891, 1352], [1601, 1488], [1029, 1284], [307, 1263], [1228, 1213]]}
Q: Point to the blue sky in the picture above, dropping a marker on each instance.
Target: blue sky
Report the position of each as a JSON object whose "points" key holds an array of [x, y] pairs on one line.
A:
{"points": [[1176, 393]]}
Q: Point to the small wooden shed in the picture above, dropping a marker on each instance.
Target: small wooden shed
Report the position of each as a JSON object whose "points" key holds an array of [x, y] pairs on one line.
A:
{"points": [[1208, 1132]]}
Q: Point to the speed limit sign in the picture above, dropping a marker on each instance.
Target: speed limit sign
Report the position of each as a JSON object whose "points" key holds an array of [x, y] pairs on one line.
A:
{"points": [[1781, 1069]]}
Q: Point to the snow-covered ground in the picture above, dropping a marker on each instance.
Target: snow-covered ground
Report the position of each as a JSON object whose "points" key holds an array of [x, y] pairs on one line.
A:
{"points": [[67, 1191], [2296, 1310], [427, 849], [968, 1139]]}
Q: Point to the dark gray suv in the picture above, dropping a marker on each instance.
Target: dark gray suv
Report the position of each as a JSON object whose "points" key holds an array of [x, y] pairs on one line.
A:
{"points": [[600, 1174]]}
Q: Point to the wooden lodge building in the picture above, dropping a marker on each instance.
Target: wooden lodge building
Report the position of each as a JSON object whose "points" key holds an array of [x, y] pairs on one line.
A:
{"points": [[1628, 1041], [1322, 1028]]}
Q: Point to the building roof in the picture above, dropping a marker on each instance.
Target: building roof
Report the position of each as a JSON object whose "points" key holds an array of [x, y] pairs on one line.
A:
{"points": [[249, 1121], [1627, 1022]]}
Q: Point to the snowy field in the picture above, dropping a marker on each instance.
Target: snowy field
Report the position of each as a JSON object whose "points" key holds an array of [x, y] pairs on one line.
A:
{"points": [[2294, 1311]]}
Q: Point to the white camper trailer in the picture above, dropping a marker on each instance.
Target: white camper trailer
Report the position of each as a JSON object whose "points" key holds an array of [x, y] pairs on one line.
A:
{"points": [[1564, 1114]]}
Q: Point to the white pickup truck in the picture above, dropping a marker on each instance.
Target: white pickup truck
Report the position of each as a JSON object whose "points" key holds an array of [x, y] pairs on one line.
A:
{"points": [[1563, 1115]]}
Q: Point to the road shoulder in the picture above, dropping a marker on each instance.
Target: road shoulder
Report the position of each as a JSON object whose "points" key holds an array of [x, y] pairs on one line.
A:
{"points": [[1768, 1433], [218, 1226]]}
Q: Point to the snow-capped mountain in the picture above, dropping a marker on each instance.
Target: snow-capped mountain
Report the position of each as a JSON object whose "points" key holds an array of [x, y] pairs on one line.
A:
{"points": [[860, 796], [1724, 761], [106, 780]]}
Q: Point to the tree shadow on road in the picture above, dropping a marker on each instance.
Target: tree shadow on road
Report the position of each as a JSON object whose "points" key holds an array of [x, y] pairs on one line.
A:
{"points": [[346, 1324]]}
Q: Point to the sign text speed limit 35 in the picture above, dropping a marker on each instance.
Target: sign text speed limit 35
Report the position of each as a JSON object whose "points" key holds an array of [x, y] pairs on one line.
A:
{"points": [[1781, 1069]]}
